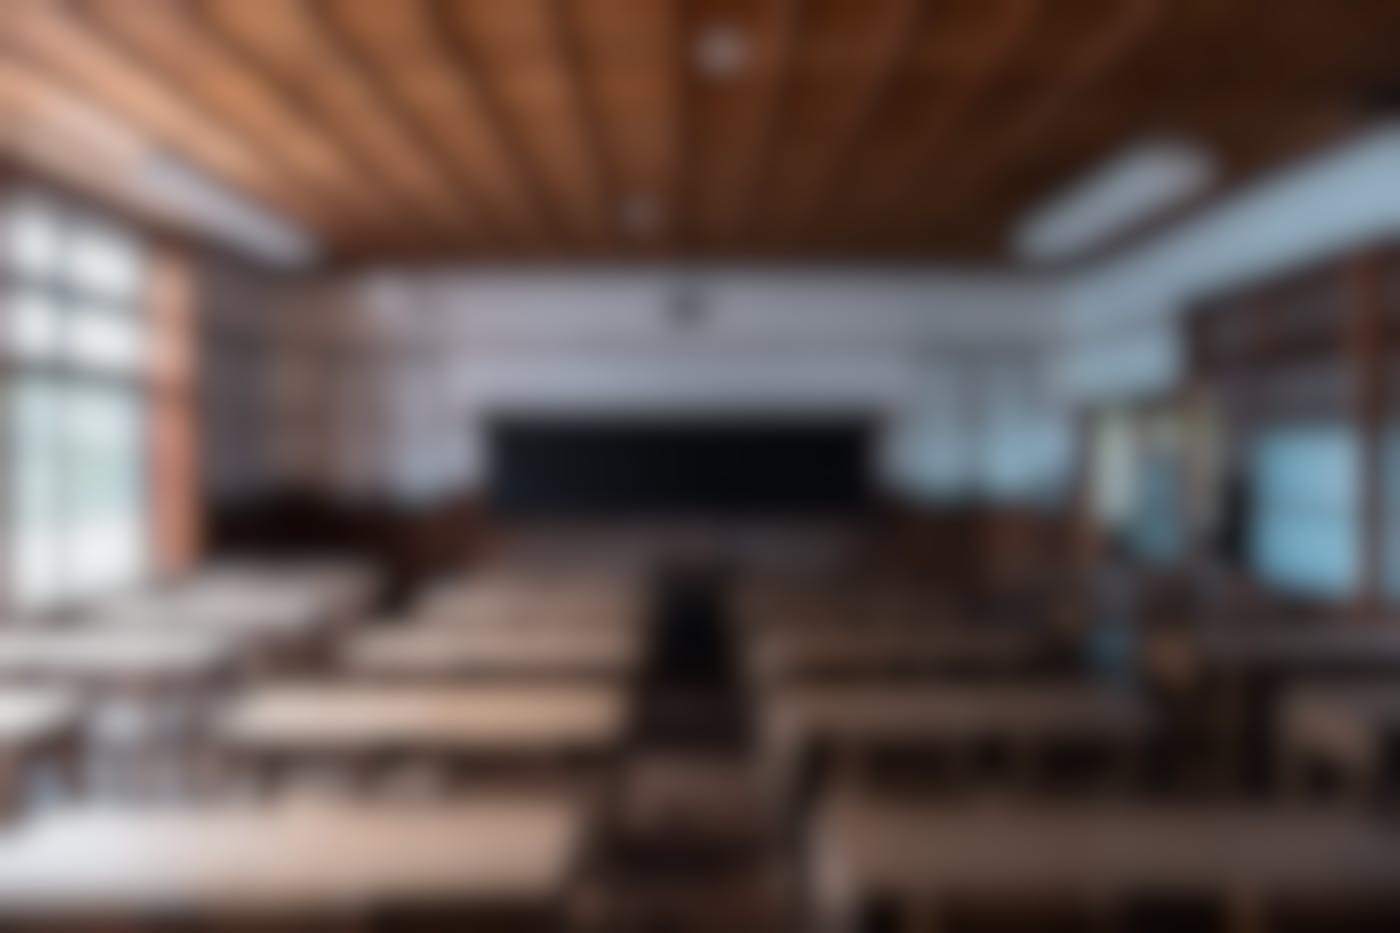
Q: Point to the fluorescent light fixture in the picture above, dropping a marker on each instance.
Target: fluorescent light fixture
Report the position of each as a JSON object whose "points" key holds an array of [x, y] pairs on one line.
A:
{"points": [[721, 52], [208, 206], [1137, 185]]}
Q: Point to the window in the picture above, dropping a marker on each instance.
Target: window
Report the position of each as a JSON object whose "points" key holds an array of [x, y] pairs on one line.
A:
{"points": [[73, 404], [1305, 533]]}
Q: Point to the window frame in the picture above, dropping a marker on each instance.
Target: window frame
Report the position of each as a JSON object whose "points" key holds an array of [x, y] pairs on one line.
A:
{"points": [[71, 299]]}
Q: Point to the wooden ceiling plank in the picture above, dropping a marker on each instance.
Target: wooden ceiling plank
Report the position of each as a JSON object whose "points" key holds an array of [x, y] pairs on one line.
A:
{"points": [[414, 189], [761, 151], [565, 35], [53, 39], [458, 50], [626, 53], [406, 226], [1108, 50], [680, 231], [1007, 34], [895, 43], [126, 27], [464, 188]]}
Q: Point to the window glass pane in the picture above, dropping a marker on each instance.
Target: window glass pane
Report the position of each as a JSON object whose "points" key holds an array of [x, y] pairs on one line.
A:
{"points": [[106, 340], [33, 324], [35, 502], [75, 437], [32, 239], [101, 262], [1306, 527], [104, 500]]}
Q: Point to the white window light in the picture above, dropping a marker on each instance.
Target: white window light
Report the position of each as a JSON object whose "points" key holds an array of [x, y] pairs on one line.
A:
{"points": [[224, 214], [1135, 186]]}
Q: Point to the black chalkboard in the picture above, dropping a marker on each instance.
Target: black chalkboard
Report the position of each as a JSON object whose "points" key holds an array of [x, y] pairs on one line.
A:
{"points": [[682, 467]]}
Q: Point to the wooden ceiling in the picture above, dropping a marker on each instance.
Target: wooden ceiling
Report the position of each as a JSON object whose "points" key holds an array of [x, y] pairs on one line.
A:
{"points": [[578, 129]]}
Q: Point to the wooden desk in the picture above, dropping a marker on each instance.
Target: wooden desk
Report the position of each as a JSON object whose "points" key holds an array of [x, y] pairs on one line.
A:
{"points": [[36, 723], [114, 657], [824, 651], [539, 651], [492, 602], [851, 719], [1293, 650], [340, 588], [362, 724], [923, 853], [1349, 729], [305, 857], [276, 625], [1234, 680]]}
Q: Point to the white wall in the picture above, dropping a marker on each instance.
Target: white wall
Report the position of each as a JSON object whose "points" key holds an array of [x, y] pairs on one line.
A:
{"points": [[956, 365], [1123, 316], [381, 381]]}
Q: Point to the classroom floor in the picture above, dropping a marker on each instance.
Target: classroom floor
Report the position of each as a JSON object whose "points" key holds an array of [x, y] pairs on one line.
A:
{"points": [[687, 848]]}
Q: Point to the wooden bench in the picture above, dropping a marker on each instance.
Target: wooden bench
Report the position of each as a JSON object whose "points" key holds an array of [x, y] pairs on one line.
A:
{"points": [[532, 652], [1239, 865], [504, 860], [461, 729]]}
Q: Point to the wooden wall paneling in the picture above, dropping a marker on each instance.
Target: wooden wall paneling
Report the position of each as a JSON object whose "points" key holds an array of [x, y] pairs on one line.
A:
{"points": [[174, 443]]}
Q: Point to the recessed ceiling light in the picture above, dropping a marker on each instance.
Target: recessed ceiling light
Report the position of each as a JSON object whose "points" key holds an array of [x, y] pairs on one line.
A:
{"points": [[1139, 184], [721, 52], [640, 215]]}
